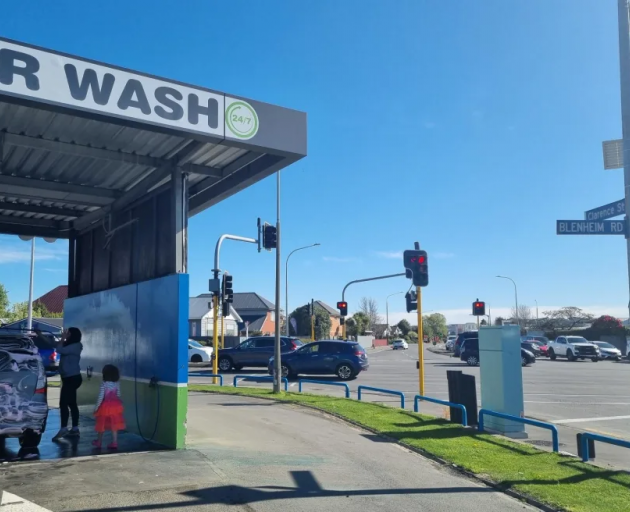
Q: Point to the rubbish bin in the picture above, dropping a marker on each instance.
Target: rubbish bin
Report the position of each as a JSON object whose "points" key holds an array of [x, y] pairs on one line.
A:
{"points": [[462, 389]]}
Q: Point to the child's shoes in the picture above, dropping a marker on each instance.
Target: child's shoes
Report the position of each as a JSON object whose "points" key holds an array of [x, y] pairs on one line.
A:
{"points": [[96, 443], [112, 446]]}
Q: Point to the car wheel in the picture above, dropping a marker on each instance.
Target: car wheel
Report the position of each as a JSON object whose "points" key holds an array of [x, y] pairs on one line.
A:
{"points": [[552, 354], [618, 358], [594, 359], [225, 364], [472, 361], [196, 358], [238, 367], [570, 356], [345, 372], [523, 361], [30, 439]]}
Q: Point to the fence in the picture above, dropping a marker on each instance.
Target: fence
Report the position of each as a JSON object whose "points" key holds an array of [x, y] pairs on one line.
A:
{"points": [[527, 421], [417, 398], [259, 377], [341, 384], [602, 439], [380, 390]]}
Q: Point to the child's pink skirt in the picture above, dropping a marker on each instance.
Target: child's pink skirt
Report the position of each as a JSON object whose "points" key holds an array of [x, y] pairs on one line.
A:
{"points": [[109, 415]]}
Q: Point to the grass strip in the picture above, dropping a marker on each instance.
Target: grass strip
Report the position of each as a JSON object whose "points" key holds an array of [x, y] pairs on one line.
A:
{"points": [[559, 481]]}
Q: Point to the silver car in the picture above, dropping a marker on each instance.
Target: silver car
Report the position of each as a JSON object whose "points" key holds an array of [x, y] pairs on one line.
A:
{"points": [[607, 351]]}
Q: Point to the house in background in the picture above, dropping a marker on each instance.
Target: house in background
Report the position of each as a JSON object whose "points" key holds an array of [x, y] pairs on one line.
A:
{"points": [[53, 325], [53, 300], [200, 319], [335, 318]]}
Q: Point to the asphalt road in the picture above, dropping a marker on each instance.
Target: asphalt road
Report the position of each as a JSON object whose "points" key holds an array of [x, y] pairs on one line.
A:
{"points": [[576, 396], [254, 456]]}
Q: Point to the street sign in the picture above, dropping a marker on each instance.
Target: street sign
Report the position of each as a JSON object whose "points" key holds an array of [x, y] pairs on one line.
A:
{"points": [[586, 227], [607, 211], [613, 154]]}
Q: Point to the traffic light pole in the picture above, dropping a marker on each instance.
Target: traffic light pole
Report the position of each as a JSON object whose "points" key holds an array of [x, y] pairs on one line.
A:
{"points": [[215, 297], [343, 293], [277, 374], [420, 342]]}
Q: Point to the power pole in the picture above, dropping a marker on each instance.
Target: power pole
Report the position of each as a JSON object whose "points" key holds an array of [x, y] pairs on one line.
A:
{"points": [[277, 374]]}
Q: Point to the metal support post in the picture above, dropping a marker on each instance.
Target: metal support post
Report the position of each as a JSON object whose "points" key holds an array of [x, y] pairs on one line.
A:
{"points": [[222, 332], [277, 374], [420, 342], [29, 321], [215, 332]]}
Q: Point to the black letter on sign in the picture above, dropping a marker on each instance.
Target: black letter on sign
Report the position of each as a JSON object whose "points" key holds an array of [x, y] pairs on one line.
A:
{"points": [[163, 95], [134, 87], [195, 110], [8, 69], [89, 81]]}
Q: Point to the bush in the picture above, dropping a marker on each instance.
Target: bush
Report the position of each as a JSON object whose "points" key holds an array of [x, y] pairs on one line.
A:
{"points": [[412, 337], [606, 322]]}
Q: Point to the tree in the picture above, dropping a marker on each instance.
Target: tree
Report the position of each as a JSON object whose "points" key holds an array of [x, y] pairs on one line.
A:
{"points": [[499, 320], [434, 325], [357, 324], [483, 322], [412, 337], [404, 327], [369, 307], [4, 302], [565, 318], [606, 322], [19, 310], [524, 315], [303, 320]]}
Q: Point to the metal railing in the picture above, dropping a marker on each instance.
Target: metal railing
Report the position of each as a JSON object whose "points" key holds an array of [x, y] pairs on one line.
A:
{"points": [[417, 398], [341, 384], [386, 391], [220, 377], [259, 377], [602, 439], [527, 421]]}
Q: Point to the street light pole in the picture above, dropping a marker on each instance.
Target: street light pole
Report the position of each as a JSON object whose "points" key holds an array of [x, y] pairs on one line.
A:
{"points": [[277, 375], [286, 283], [29, 321], [387, 310], [536, 313], [515, 297]]}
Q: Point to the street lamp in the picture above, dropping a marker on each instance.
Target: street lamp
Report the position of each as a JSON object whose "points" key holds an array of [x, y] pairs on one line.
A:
{"points": [[286, 282], [387, 310], [536, 312], [29, 320], [515, 296]]}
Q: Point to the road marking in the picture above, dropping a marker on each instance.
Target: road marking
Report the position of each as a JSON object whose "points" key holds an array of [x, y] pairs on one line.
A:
{"points": [[12, 503], [583, 420], [578, 403]]}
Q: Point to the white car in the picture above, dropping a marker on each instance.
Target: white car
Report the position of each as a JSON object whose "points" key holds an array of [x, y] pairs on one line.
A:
{"points": [[573, 348], [450, 342], [197, 353], [400, 344]]}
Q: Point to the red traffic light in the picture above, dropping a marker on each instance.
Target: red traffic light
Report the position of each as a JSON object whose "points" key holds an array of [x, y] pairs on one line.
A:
{"points": [[342, 305]]}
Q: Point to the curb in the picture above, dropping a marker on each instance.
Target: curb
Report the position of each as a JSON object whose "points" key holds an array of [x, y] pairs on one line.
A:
{"points": [[490, 483]]}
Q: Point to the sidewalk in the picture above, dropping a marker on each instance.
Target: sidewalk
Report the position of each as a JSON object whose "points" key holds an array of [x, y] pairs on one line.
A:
{"points": [[251, 455]]}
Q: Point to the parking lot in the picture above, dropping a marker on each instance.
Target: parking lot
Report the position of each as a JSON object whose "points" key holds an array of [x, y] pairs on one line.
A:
{"points": [[576, 396]]}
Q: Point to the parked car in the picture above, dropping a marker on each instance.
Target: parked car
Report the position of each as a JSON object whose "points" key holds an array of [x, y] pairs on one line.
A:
{"points": [[608, 351], [254, 352], [460, 339], [450, 342], [573, 348], [46, 343], [532, 347], [400, 345], [23, 390], [470, 353], [197, 353], [542, 346], [327, 357]]}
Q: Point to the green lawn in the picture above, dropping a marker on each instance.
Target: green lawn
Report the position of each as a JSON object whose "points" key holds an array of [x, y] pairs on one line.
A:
{"points": [[562, 482]]}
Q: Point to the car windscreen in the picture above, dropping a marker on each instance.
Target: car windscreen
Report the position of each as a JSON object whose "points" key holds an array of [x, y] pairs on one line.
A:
{"points": [[297, 341], [603, 344], [193, 343], [576, 339]]}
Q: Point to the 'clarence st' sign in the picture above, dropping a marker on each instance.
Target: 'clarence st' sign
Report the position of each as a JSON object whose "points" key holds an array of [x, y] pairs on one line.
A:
{"points": [[607, 211], [585, 227]]}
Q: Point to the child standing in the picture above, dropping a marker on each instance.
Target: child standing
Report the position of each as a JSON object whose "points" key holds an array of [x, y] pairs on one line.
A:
{"points": [[109, 408]]}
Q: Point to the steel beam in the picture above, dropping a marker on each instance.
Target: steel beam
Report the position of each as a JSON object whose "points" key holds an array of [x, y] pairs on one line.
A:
{"points": [[30, 221], [88, 202], [231, 168], [35, 208], [57, 186], [17, 229]]}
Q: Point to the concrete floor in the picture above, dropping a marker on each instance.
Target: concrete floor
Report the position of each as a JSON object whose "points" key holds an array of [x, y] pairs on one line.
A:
{"points": [[255, 456], [576, 396]]}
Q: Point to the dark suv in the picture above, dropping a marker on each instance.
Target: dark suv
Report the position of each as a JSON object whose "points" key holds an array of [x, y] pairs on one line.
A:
{"points": [[457, 348], [254, 352], [327, 357], [470, 353]]}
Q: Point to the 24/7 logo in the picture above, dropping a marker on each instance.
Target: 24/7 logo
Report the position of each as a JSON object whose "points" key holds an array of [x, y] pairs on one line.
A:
{"points": [[241, 119]]}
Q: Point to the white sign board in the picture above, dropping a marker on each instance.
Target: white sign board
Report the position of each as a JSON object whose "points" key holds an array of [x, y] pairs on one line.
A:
{"points": [[613, 154]]}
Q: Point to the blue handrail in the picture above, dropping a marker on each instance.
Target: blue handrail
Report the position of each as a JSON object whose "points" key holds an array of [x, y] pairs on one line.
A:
{"points": [[527, 421], [213, 375], [342, 384], [260, 377], [380, 390], [602, 439], [417, 398]]}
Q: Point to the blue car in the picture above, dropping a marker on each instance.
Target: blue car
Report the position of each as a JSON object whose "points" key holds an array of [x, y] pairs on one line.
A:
{"points": [[45, 343], [327, 357]]}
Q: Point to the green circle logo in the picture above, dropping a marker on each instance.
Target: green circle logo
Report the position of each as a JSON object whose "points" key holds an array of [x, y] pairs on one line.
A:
{"points": [[242, 120]]}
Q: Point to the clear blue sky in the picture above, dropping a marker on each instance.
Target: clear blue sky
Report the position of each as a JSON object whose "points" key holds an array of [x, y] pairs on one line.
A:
{"points": [[469, 126]]}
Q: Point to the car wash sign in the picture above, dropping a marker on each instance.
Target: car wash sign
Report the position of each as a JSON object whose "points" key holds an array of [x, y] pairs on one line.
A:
{"points": [[65, 81]]}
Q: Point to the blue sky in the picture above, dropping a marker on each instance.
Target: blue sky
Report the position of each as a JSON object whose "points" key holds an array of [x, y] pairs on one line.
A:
{"points": [[468, 126]]}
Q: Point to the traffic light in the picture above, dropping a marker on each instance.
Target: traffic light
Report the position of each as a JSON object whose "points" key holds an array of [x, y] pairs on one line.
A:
{"points": [[342, 321], [479, 308], [412, 301], [417, 262], [227, 291], [225, 309], [270, 237], [343, 308]]}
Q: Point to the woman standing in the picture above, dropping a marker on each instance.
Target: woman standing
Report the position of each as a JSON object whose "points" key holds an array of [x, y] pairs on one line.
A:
{"points": [[69, 349]]}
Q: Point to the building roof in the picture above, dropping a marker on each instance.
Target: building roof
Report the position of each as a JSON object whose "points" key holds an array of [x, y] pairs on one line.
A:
{"points": [[330, 310], [256, 322], [53, 300], [198, 307], [45, 324], [246, 301]]}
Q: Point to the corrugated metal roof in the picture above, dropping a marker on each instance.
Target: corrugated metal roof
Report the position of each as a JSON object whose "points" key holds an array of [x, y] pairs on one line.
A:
{"points": [[198, 308]]}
